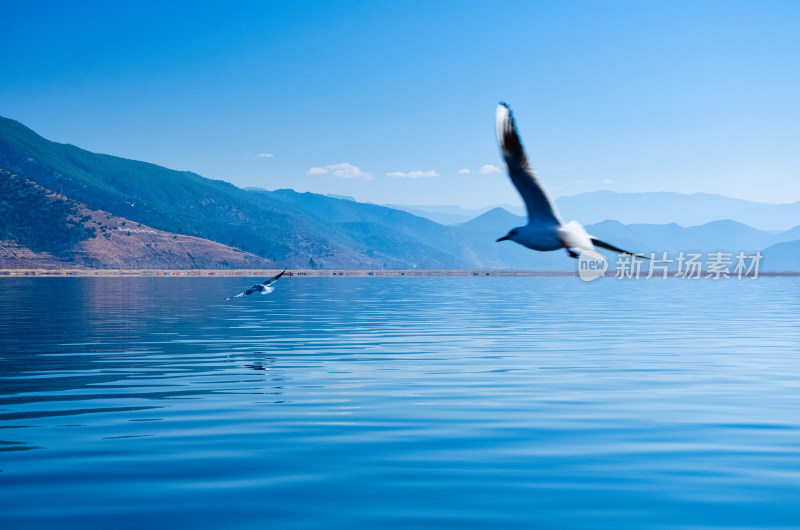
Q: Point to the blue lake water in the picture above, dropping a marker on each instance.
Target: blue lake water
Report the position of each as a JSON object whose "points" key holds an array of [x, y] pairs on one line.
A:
{"points": [[399, 403]]}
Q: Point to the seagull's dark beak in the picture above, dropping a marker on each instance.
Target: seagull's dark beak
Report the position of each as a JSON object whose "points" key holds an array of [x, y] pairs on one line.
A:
{"points": [[502, 239]]}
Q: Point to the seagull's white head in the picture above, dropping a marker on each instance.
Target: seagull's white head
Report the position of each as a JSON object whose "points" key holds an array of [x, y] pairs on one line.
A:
{"points": [[512, 235]]}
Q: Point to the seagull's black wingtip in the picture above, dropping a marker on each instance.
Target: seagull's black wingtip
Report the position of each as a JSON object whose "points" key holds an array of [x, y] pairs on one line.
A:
{"points": [[504, 104]]}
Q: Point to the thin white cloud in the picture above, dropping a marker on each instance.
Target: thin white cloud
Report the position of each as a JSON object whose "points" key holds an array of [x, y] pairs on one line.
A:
{"points": [[343, 170], [608, 181], [348, 171], [489, 168], [464, 171], [265, 155], [413, 174]]}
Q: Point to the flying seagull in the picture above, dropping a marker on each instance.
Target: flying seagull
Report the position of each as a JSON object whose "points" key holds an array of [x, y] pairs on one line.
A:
{"points": [[264, 287], [545, 229]]}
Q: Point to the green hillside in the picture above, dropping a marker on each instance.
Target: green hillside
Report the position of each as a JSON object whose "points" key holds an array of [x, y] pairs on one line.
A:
{"points": [[34, 219], [291, 231]]}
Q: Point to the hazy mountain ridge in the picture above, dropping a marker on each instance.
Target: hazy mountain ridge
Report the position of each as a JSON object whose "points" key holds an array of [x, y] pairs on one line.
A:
{"points": [[449, 214], [783, 256], [437, 241], [683, 209], [780, 251]]}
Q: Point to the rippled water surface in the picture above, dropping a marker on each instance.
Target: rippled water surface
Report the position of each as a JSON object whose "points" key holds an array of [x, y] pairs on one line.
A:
{"points": [[399, 403]]}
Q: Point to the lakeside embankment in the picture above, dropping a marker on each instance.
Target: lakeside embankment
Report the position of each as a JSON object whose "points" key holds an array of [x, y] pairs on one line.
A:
{"points": [[203, 273], [270, 272]]}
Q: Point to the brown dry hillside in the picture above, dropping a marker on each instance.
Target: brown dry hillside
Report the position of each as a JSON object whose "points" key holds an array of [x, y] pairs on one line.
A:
{"points": [[42, 229]]}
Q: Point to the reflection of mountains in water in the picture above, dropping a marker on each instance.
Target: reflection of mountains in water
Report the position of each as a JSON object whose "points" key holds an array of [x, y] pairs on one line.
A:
{"points": [[125, 348]]}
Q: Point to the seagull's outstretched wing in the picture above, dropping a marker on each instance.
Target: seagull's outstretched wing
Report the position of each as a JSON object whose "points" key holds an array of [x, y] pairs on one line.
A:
{"points": [[608, 246], [273, 279], [540, 209], [237, 296]]}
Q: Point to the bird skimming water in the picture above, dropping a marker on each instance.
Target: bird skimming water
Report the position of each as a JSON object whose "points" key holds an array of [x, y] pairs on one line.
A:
{"points": [[545, 229], [264, 287]]}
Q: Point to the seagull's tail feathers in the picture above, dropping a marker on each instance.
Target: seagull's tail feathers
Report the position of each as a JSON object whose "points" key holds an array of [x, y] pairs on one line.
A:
{"points": [[608, 246]]}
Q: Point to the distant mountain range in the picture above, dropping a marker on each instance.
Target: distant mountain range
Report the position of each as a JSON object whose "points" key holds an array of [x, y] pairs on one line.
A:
{"points": [[780, 251], [451, 214], [643, 208], [62, 205], [679, 208]]}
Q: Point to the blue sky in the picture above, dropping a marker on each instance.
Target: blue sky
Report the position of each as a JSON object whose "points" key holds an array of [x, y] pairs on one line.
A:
{"points": [[391, 102]]}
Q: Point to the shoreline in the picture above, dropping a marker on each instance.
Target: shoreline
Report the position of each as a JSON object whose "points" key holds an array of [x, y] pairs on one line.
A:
{"points": [[304, 273]]}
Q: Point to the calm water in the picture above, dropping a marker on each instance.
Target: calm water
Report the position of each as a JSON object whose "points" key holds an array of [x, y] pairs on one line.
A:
{"points": [[399, 403]]}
